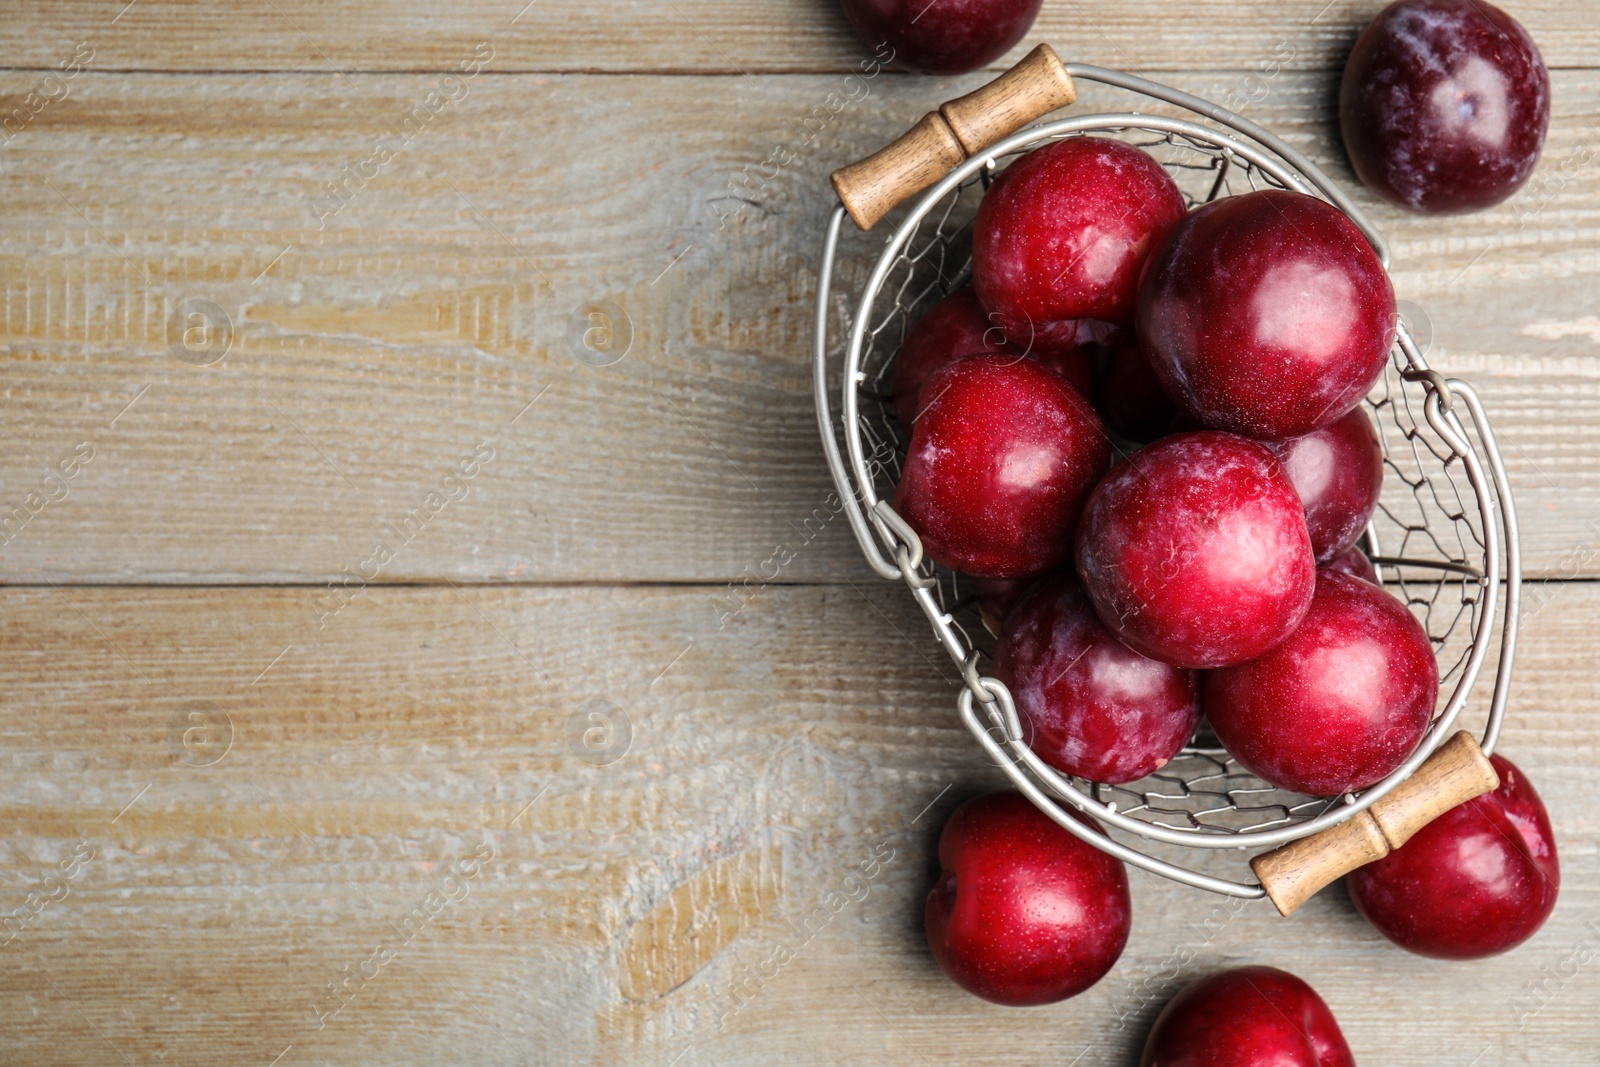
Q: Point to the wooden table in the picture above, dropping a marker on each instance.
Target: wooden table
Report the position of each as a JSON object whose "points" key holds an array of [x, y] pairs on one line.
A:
{"points": [[388, 684]]}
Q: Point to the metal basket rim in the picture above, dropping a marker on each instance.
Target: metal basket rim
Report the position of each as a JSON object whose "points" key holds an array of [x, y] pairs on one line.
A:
{"points": [[1265, 151]]}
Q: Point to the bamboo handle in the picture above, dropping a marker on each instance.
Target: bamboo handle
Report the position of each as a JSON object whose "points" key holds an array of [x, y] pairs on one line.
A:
{"points": [[870, 188], [1454, 774]]}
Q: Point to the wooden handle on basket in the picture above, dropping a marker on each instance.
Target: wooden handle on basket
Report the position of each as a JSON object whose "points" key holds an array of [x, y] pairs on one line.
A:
{"points": [[1454, 774], [1036, 86]]}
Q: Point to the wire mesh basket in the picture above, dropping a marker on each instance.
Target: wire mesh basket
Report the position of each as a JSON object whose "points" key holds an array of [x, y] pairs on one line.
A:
{"points": [[1444, 538]]}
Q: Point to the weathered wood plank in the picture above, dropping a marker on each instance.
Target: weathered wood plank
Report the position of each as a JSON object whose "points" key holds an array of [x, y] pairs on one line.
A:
{"points": [[372, 356], [706, 36], [405, 808]]}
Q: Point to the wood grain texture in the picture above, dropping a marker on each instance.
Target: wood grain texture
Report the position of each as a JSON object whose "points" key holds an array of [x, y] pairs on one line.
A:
{"points": [[677, 35], [440, 299], [405, 812], [1457, 772], [872, 187], [1292, 875], [1036, 86]]}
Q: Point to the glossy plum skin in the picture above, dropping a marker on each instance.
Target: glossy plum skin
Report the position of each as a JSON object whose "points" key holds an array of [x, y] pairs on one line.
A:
{"points": [[1477, 881], [1354, 561], [1129, 395], [1001, 461], [1247, 1017], [1090, 705], [1023, 912], [1338, 705], [1064, 231], [950, 37], [956, 327], [952, 329], [1266, 314], [1338, 473], [1444, 105], [1195, 551]]}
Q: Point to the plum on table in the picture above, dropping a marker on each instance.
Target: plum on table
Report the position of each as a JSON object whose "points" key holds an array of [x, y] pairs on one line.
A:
{"points": [[1023, 912], [1444, 105], [947, 37], [1477, 881]]}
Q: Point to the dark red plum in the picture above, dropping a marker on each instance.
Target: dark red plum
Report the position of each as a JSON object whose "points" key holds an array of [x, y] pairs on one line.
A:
{"points": [[1070, 348], [1195, 551], [996, 597], [1063, 335], [1247, 1017], [1183, 422], [1338, 705], [1023, 912], [1001, 461], [1130, 396], [1266, 314], [948, 37], [1064, 231], [1338, 473], [1444, 105], [953, 328], [956, 327], [1355, 562], [1091, 706], [1477, 881]]}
